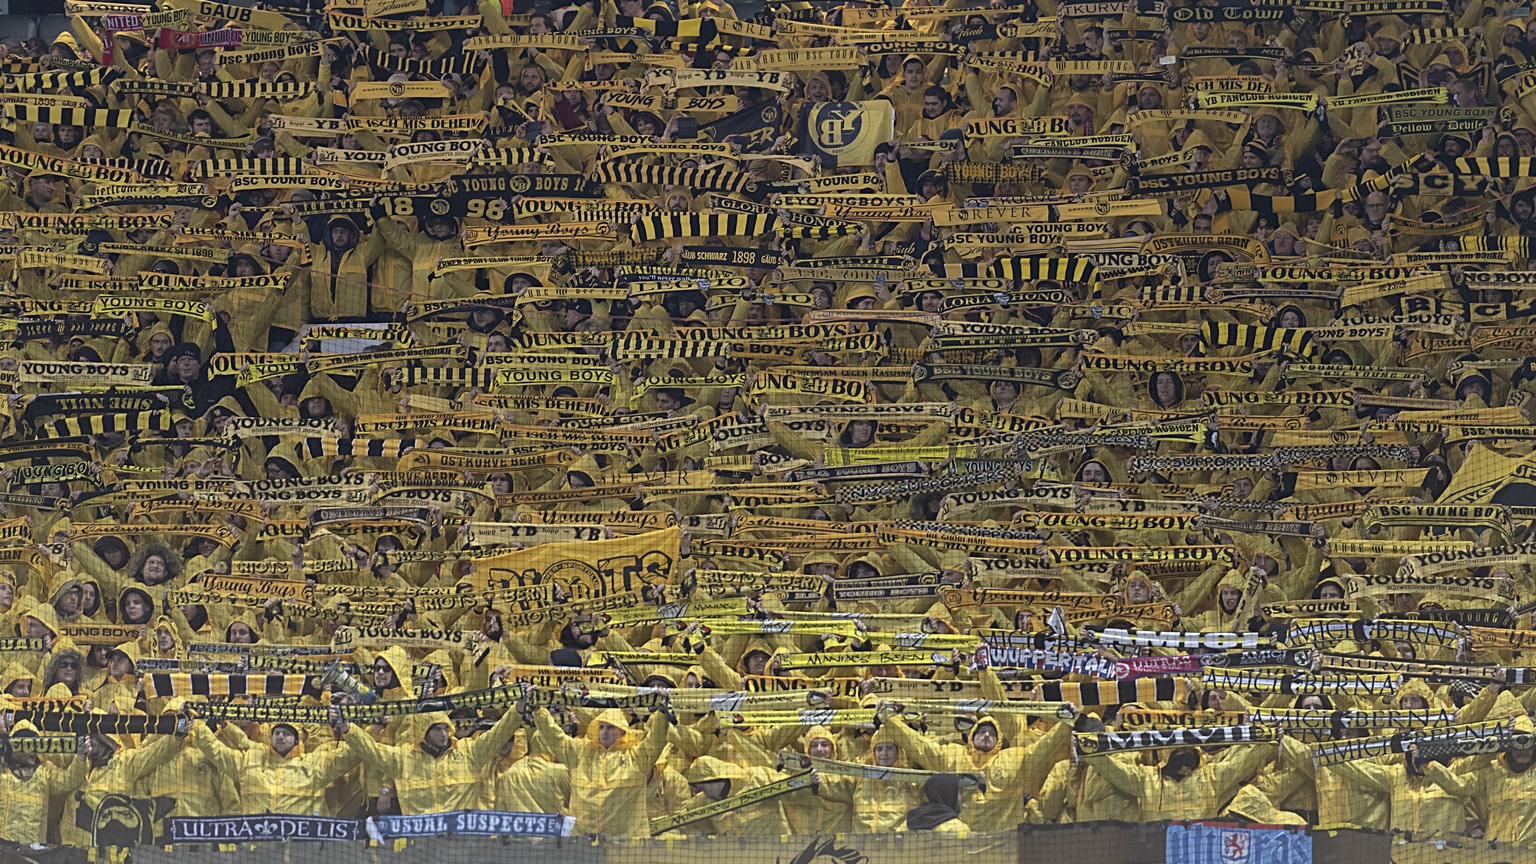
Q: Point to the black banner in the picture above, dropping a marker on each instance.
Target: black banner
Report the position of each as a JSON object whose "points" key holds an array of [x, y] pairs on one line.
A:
{"points": [[1499, 618], [49, 404], [1217, 52], [725, 256], [80, 723], [1155, 183], [759, 124], [1060, 379], [55, 328], [1190, 14]]}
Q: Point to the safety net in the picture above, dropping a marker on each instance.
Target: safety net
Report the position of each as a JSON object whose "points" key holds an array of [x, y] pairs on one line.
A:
{"points": [[835, 433]]}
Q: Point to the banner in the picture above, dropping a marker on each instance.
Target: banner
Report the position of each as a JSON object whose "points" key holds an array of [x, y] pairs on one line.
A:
{"points": [[1318, 718], [256, 829], [1230, 843], [475, 823], [1244, 681], [846, 133], [1164, 639], [585, 569], [1090, 744]]}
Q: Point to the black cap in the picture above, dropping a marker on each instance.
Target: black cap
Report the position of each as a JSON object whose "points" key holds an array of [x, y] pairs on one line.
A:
{"points": [[185, 349]]}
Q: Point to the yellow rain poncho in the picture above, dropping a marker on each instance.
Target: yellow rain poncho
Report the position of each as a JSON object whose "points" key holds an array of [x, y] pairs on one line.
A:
{"points": [[607, 783], [433, 782]]}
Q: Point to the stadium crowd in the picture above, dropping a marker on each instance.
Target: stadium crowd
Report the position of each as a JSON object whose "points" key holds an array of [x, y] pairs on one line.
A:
{"points": [[853, 418]]}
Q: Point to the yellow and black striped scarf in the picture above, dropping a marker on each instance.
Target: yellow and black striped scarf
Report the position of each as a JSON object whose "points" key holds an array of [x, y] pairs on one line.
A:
{"points": [[317, 448], [1494, 166], [818, 232], [103, 424], [168, 684], [461, 64], [57, 82], [112, 118], [651, 228], [1521, 246], [713, 179], [1434, 35], [439, 376], [1220, 334], [241, 166], [218, 90], [1173, 294], [1076, 270]]}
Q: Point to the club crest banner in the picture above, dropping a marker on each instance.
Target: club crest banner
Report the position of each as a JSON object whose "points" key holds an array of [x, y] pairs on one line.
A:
{"points": [[847, 133]]}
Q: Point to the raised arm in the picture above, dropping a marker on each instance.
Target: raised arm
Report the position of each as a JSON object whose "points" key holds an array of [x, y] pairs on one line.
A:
{"points": [[1365, 774], [142, 762], [57, 781], [1121, 774], [380, 757], [1233, 772], [332, 762], [225, 760], [918, 748], [1032, 763], [551, 738], [655, 739], [485, 747]]}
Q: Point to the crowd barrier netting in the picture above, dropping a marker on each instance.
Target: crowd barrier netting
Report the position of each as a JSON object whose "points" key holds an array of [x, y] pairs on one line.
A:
{"points": [[1089, 843], [1058, 430]]}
